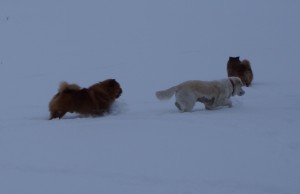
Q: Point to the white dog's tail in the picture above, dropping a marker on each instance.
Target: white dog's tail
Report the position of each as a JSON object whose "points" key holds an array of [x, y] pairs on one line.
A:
{"points": [[166, 94]]}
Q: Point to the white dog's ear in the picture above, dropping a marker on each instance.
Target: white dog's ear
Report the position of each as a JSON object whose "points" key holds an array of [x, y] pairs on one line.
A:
{"points": [[237, 80], [241, 82]]}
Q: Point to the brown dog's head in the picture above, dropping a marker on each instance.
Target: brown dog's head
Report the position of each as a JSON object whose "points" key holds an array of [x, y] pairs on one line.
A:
{"points": [[233, 65], [113, 86], [234, 59]]}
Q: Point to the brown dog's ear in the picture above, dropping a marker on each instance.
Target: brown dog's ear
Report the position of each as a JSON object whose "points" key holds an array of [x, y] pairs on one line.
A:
{"points": [[112, 82], [235, 58]]}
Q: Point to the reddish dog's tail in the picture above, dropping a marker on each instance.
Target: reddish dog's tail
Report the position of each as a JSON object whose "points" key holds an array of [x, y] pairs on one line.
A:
{"points": [[246, 63], [65, 86], [248, 74]]}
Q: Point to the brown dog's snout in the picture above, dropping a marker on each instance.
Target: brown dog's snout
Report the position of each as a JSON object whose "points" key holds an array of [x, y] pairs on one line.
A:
{"points": [[120, 92]]}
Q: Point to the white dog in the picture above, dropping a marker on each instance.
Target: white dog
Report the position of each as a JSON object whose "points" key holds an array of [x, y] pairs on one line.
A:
{"points": [[212, 94]]}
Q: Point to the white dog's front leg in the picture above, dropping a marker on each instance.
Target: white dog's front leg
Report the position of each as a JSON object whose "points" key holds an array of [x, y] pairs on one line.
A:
{"points": [[210, 106], [228, 103], [225, 102]]}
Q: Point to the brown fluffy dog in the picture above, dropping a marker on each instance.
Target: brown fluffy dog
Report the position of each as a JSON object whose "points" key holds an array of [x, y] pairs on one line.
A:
{"points": [[241, 69], [93, 101]]}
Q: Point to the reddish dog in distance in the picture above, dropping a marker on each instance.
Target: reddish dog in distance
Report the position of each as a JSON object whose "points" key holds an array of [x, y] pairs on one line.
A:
{"points": [[241, 69]]}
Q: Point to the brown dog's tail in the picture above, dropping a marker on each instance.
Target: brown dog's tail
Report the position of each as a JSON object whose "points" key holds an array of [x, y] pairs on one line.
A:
{"points": [[64, 86], [246, 63]]}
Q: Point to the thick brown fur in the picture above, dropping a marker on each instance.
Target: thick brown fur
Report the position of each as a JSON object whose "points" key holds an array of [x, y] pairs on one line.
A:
{"points": [[241, 69], [93, 101]]}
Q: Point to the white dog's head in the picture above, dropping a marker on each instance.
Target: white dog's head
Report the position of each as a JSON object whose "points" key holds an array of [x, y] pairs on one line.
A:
{"points": [[237, 86]]}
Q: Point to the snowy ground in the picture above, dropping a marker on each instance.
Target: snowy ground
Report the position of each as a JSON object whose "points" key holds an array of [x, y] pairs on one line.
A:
{"points": [[146, 145]]}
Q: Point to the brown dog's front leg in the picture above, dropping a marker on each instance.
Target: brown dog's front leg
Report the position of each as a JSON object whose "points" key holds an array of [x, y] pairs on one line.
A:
{"points": [[57, 114]]}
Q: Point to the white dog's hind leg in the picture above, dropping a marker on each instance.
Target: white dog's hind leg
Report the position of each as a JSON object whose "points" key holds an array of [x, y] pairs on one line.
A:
{"points": [[184, 106], [184, 102], [178, 106]]}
